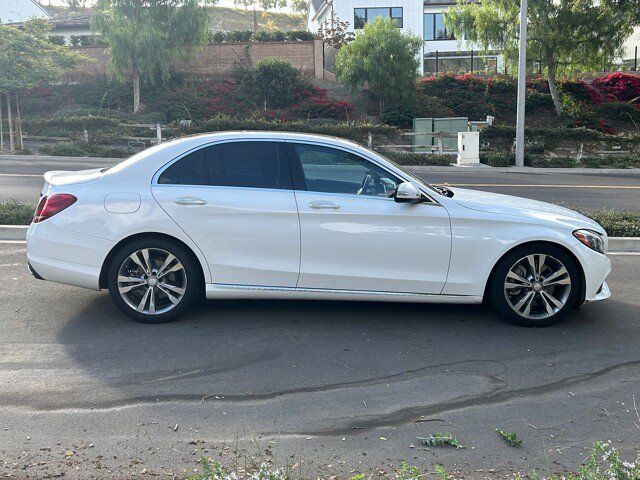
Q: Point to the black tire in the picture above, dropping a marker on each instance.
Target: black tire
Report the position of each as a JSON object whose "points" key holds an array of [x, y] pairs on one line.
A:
{"points": [[497, 290], [190, 275]]}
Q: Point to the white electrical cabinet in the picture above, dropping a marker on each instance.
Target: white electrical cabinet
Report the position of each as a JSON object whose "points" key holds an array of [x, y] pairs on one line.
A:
{"points": [[468, 148]]}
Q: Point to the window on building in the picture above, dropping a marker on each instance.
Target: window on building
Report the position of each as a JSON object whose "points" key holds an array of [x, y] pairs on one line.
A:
{"points": [[460, 62], [434, 27], [364, 15]]}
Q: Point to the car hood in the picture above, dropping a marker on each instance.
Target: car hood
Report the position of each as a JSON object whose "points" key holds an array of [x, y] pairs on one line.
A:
{"points": [[522, 207]]}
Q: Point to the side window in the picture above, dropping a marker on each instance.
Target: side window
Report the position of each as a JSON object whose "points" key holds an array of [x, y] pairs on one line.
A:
{"points": [[186, 171], [335, 171], [248, 164]]}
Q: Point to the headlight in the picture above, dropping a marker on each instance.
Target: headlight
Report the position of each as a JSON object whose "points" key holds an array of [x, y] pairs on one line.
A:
{"points": [[591, 239]]}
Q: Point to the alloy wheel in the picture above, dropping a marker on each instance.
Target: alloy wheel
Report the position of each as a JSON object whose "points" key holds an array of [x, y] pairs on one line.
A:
{"points": [[152, 281], [537, 286]]}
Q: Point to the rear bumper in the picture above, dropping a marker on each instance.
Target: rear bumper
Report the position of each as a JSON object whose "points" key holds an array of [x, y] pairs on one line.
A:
{"points": [[62, 256]]}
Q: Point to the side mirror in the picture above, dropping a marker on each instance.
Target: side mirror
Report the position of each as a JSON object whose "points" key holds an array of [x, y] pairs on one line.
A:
{"points": [[408, 193]]}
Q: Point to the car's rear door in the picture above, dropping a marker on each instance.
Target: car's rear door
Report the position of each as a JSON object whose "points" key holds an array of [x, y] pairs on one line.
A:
{"points": [[235, 200], [355, 236]]}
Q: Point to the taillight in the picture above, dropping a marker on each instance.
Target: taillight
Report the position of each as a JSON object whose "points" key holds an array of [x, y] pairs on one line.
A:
{"points": [[52, 204]]}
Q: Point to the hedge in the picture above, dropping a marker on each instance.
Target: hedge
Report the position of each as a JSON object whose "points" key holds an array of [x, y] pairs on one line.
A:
{"points": [[247, 36], [69, 149], [417, 159], [15, 213], [502, 159], [358, 132], [537, 140]]}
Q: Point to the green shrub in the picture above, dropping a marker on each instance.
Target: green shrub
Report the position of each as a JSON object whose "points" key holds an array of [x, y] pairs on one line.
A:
{"points": [[497, 159], [69, 149], [277, 81], [416, 159], [535, 101], [57, 39], [87, 40], [399, 114], [617, 224], [358, 132], [15, 213], [611, 162]]}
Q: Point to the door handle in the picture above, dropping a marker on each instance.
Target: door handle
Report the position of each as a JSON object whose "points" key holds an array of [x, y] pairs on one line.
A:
{"points": [[190, 201], [329, 205]]}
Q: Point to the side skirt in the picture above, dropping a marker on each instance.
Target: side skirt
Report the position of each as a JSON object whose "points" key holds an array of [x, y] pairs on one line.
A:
{"points": [[215, 290]]}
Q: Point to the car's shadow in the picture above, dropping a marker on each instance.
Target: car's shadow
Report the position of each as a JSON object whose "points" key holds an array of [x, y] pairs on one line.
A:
{"points": [[261, 347]]}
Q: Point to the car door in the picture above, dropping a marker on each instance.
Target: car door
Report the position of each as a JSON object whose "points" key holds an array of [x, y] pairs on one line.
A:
{"points": [[355, 236], [235, 200]]}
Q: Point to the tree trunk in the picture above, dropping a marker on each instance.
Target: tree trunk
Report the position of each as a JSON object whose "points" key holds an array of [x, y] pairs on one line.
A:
{"points": [[553, 88], [136, 91], [10, 122], [19, 122], [1, 126], [255, 20]]}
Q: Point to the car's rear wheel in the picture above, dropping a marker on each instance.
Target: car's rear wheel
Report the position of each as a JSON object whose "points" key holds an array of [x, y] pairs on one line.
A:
{"points": [[153, 280], [535, 285]]}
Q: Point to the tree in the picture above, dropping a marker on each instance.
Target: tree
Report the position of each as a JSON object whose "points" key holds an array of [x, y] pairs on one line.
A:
{"points": [[299, 6], [264, 5], [566, 36], [27, 59], [383, 58], [335, 32], [146, 36]]}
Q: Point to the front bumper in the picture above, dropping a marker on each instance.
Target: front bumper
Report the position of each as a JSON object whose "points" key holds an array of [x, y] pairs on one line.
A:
{"points": [[602, 294]]}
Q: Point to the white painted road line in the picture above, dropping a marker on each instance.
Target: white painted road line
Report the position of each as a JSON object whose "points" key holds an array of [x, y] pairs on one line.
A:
{"points": [[609, 187], [19, 175]]}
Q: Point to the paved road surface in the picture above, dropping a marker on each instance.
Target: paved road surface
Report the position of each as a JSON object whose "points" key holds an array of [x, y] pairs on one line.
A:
{"points": [[331, 387], [21, 179]]}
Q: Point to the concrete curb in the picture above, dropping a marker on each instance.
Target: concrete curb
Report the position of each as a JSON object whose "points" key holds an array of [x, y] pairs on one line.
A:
{"points": [[487, 169], [616, 244], [13, 232], [415, 168]]}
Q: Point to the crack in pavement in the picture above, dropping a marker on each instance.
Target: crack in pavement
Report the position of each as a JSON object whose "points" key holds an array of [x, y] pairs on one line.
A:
{"points": [[8, 400], [497, 396]]}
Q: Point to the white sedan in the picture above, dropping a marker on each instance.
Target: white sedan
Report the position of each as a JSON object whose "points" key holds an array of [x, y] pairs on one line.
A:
{"points": [[296, 216]]}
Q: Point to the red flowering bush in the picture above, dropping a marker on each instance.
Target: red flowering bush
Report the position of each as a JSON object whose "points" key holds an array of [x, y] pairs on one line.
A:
{"points": [[321, 107], [621, 86], [580, 91]]}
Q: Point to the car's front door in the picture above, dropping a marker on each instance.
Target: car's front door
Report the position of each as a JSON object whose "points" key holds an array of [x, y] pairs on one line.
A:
{"points": [[235, 200], [355, 236]]}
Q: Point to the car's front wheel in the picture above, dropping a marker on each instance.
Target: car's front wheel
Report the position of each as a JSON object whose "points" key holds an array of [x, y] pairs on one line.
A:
{"points": [[535, 285], [153, 280]]}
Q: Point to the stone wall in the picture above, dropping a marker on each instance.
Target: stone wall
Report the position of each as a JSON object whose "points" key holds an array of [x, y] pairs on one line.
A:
{"points": [[217, 60]]}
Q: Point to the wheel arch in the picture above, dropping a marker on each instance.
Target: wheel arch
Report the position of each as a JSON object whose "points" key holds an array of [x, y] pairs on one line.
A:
{"points": [[102, 280], [581, 296]]}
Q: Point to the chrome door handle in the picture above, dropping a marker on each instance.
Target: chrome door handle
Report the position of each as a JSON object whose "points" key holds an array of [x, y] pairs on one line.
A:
{"points": [[190, 201], [329, 205]]}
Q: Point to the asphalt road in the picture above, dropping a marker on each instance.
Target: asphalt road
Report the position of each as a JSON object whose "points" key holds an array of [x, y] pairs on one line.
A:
{"points": [[325, 387], [22, 179]]}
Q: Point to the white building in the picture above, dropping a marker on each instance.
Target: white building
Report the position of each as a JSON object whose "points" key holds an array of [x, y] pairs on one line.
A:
{"points": [[14, 11], [441, 52]]}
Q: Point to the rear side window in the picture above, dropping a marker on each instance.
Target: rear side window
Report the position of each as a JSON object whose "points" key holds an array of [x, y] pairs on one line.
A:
{"points": [[248, 164], [189, 170], [233, 164]]}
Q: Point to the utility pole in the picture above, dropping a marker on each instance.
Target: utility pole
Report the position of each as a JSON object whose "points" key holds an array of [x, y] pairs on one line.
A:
{"points": [[522, 84]]}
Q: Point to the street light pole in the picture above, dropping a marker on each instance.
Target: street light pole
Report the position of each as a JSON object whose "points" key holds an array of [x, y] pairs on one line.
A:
{"points": [[522, 84]]}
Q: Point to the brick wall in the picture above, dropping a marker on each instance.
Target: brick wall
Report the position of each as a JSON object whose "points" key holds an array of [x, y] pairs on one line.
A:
{"points": [[218, 59]]}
